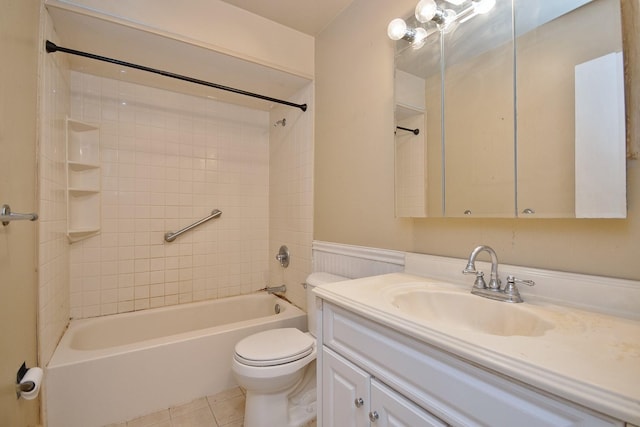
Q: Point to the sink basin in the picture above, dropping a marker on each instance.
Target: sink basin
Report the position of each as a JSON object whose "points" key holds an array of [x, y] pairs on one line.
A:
{"points": [[469, 312]]}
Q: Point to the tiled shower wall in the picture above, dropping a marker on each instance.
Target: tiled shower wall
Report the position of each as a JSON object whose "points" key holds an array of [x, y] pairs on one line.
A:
{"points": [[168, 160], [291, 194], [53, 252]]}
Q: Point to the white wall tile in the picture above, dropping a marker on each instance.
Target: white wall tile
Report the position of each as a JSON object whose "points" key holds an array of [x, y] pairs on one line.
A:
{"points": [[168, 160], [56, 298]]}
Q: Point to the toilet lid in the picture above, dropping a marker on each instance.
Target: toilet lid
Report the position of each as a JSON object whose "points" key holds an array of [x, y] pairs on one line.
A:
{"points": [[274, 347]]}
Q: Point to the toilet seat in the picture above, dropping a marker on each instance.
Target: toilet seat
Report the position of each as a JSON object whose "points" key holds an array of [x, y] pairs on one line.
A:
{"points": [[274, 347]]}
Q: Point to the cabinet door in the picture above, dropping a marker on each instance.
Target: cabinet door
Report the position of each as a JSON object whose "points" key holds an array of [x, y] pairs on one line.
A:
{"points": [[345, 392], [389, 409]]}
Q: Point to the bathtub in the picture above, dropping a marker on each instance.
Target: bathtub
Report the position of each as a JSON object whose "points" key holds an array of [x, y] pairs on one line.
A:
{"points": [[114, 368]]}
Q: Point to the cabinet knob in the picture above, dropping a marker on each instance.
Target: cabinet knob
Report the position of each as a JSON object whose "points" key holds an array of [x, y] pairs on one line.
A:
{"points": [[358, 402], [373, 416]]}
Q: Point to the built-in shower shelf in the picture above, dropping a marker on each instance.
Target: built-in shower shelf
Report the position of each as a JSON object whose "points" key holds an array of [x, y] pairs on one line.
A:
{"points": [[83, 180], [79, 167], [405, 111]]}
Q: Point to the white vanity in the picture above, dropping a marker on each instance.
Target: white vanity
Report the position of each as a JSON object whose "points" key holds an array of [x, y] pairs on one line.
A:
{"points": [[419, 350]]}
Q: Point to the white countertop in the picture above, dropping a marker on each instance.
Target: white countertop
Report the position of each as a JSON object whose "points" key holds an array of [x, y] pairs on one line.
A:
{"points": [[589, 358]]}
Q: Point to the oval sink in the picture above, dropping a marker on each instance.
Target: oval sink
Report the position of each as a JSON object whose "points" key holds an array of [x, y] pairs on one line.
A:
{"points": [[469, 312]]}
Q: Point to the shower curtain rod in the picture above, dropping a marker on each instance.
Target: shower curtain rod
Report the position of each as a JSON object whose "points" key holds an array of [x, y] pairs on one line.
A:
{"points": [[52, 47], [414, 131]]}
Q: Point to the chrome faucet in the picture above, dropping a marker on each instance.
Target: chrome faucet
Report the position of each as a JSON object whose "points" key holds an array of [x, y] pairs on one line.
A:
{"points": [[494, 283], [510, 292], [275, 289]]}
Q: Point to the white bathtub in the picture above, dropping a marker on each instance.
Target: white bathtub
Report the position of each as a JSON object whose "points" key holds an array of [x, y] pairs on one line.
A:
{"points": [[114, 368]]}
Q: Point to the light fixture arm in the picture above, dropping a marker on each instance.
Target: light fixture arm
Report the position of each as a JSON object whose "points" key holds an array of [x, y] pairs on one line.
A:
{"points": [[440, 17]]}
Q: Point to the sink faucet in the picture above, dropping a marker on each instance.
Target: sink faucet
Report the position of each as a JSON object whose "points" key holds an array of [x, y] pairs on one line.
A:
{"points": [[494, 282], [510, 292]]}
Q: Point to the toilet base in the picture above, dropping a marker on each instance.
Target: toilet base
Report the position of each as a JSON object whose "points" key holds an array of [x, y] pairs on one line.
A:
{"points": [[293, 407]]}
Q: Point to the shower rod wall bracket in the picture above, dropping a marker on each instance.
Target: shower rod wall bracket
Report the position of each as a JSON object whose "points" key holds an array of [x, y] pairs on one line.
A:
{"points": [[52, 47]]}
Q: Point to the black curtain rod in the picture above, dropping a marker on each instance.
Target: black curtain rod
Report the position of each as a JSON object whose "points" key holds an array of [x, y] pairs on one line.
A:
{"points": [[414, 131], [52, 47]]}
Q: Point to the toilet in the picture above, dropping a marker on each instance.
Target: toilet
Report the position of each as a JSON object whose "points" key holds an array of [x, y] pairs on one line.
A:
{"points": [[277, 368]]}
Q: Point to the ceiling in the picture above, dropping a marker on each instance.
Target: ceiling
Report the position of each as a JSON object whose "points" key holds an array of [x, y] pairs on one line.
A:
{"points": [[307, 16]]}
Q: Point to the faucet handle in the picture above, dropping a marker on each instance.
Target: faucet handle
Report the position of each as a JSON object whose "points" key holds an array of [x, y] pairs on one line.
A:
{"points": [[511, 290], [511, 280], [479, 282]]}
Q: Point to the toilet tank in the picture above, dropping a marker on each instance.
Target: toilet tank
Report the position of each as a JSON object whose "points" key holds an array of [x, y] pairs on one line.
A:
{"points": [[312, 281]]}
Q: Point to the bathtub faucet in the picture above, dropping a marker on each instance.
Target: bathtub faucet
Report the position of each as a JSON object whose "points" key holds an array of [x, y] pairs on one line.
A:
{"points": [[274, 289]]}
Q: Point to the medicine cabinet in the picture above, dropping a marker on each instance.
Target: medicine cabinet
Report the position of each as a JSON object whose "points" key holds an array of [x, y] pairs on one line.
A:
{"points": [[522, 113]]}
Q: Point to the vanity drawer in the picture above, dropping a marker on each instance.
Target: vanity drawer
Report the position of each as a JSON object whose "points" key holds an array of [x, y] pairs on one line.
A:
{"points": [[460, 393]]}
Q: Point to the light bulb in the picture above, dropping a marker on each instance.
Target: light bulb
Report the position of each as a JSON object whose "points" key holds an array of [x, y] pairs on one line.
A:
{"points": [[419, 38], [397, 29], [426, 10], [483, 6]]}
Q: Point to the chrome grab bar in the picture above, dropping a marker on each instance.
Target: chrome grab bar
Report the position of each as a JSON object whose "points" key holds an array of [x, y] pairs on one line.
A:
{"points": [[7, 216], [171, 236]]}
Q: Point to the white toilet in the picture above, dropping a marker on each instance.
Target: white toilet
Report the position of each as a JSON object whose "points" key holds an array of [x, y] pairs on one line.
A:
{"points": [[277, 368]]}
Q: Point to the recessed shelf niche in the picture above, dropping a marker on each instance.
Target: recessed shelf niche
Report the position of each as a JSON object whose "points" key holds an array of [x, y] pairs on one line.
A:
{"points": [[83, 180]]}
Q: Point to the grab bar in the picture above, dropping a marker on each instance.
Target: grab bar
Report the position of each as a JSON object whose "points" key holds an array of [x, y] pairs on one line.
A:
{"points": [[6, 215], [171, 236]]}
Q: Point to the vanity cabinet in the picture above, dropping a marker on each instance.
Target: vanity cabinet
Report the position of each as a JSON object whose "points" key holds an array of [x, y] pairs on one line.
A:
{"points": [[399, 376], [355, 398], [83, 180]]}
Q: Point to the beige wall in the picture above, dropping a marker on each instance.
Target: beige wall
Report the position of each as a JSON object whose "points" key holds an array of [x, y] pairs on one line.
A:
{"points": [[18, 280], [354, 164], [354, 146]]}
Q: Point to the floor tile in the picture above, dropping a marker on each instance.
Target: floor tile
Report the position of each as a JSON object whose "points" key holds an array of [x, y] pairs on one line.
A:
{"points": [[156, 419], [225, 395], [202, 417], [229, 410], [178, 411]]}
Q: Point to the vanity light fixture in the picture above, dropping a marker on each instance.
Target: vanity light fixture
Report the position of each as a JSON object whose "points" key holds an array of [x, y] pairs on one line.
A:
{"points": [[446, 20], [398, 29], [428, 10]]}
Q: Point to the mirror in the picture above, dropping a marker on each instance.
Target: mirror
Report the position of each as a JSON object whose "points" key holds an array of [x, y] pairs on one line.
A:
{"points": [[478, 85], [520, 111], [570, 104]]}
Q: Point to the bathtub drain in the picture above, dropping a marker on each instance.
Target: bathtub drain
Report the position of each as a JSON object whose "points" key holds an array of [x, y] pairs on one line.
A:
{"points": [[277, 308]]}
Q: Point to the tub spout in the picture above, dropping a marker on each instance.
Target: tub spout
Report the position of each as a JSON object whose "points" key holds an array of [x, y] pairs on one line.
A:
{"points": [[274, 289]]}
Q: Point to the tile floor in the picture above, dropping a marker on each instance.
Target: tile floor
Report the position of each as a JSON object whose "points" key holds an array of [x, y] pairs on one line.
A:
{"points": [[225, 409]]}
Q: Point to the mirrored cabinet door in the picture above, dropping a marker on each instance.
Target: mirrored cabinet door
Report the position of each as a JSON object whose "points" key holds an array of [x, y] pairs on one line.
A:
{"points": [[570, 109], [478, 115], [418, 107]]}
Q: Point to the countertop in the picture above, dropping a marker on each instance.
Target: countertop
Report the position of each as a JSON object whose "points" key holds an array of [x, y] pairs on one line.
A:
{"points": [[588, 358]]}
